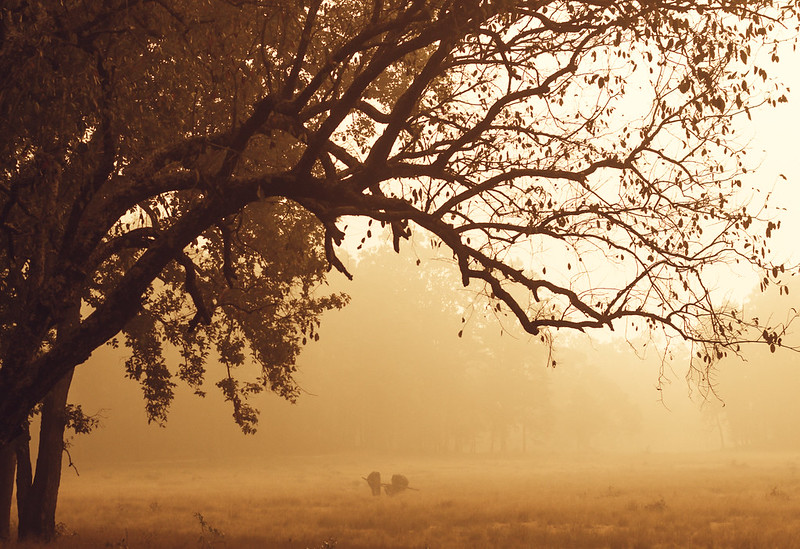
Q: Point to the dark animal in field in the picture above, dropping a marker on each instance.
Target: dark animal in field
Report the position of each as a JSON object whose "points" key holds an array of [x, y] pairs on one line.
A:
{"points": [[374, 481], [399, 484]]}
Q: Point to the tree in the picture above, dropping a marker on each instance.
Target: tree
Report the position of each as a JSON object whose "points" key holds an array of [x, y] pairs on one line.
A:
{"points": [[260, 319], [577, 157], [759, 393], [264, 307]]}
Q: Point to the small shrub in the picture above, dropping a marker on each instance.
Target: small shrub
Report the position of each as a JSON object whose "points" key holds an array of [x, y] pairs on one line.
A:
{"points": [[209, 536], [62, 531], [777, 493], [122, 544], [658, 505], [329, 543]]}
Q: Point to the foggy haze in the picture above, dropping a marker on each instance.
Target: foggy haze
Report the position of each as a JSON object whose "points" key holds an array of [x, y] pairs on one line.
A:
{"points": [[390, 374], [482, 424], [599, 439]]}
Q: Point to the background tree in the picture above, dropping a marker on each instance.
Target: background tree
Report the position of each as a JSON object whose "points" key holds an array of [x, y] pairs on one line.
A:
{"points": [[578, 158], [483, 384], [404, 382], [760, 409]]}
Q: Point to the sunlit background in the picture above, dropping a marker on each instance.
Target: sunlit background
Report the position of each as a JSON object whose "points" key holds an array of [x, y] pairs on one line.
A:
{"points": [[417, 368], [391, 373]]}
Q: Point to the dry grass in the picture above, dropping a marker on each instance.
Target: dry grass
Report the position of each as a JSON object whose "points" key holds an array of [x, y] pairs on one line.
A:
{"points": [[645, 501]]}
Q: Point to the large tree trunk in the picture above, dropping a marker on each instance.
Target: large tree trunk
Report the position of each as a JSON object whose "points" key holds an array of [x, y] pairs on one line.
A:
{"points": [[24, 473], [37, 513], [36, 500], [8, 465]]}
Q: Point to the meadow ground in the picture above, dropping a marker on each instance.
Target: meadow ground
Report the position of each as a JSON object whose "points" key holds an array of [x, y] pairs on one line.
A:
{"points": [[725, 500]]}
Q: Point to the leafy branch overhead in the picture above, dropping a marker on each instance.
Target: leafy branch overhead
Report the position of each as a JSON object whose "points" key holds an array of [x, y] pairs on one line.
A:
{"points": [[185, 169]]}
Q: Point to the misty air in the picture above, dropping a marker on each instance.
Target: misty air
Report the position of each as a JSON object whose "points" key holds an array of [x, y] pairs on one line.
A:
{"points": [[370, 273]]}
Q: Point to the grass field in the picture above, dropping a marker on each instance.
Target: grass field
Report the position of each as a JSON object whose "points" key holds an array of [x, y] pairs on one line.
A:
{"points": [[726, 500]]}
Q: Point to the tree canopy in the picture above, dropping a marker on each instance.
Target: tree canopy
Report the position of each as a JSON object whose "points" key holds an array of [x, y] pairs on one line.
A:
{"points": [[578, 158]]}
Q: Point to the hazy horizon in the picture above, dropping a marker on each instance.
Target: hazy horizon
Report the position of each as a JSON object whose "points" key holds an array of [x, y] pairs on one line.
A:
{"points": [[391, 374]]}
